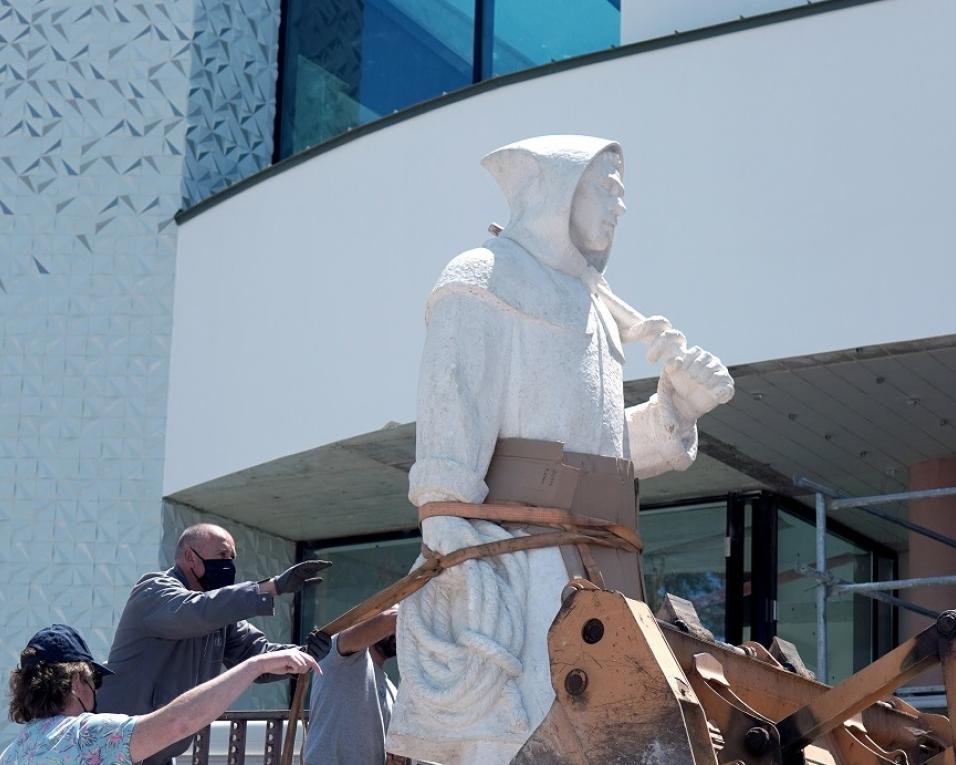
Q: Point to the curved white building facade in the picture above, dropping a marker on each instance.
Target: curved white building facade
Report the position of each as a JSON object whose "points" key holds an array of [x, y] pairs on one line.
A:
{"points": [[799, 173]]}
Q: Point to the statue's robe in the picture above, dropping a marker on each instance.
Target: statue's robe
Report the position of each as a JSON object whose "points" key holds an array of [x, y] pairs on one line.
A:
{"points": [[521, 343]]}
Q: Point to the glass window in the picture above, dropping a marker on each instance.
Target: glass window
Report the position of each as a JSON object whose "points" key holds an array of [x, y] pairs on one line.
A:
{"points": [[747, 585], [347, 62], [358, 572], [886, 570], [684, 555], [849, 617], [532, 32]]}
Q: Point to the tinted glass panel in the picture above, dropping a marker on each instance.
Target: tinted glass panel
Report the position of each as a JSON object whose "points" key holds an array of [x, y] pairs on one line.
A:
{"points": [[747, 593], [346, 62], [849, 617], [684, 555], [532, 32], [358, 572], [885, 632]]}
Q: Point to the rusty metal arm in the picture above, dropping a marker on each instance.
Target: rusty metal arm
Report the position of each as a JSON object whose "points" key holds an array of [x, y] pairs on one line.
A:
{"points": [[831, 708]]}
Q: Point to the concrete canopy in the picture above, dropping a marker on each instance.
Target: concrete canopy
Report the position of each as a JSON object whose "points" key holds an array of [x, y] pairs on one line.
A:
{"points": [[854, 419]]}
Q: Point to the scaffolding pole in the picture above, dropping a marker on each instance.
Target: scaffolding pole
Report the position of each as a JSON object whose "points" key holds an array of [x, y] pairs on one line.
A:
{"points": [[894, 584], [885, 499], [821, 593], [833, 495], [827, 499], [834, 583]]}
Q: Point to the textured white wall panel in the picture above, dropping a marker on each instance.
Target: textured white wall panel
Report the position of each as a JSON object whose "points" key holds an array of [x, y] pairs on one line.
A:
{"points": [[107, 112], [231, 93]]}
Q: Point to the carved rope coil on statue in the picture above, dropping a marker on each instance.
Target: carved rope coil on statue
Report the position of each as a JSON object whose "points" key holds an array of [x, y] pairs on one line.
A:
{"points": [[465, 669], [465, 659], [497, 644]]}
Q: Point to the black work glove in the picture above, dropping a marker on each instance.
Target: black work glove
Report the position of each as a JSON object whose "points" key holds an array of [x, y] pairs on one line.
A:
{"points": [[295, 578], [318, 645]]}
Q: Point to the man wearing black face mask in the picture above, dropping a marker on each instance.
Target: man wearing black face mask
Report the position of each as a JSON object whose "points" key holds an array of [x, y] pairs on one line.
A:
{"points": [[351, 701], [182, 626]]}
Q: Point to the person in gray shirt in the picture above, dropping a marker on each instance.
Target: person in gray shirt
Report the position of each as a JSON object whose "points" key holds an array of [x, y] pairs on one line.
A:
{"points": [[180, 627], [350, 704]]}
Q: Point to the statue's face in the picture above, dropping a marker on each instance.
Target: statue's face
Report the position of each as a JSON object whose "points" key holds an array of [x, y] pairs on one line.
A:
{"points": [[598, 203]]}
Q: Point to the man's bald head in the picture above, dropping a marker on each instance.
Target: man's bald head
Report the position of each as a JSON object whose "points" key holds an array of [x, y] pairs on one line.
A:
{"points": [[203, 541]]}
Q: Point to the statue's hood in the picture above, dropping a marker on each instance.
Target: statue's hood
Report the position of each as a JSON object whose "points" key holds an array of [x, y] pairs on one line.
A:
{"points": [[539, 177]]}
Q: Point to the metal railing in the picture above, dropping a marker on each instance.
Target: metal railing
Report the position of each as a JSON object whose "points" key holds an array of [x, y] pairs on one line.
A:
{"points": [[828, 499], [266, 745]]}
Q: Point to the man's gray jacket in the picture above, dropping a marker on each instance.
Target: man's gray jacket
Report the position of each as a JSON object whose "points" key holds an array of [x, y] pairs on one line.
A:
{"points": [[170, 639]]}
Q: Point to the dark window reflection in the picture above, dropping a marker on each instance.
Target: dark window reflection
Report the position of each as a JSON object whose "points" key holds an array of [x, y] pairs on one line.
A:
{"points": [[358, 572], [849, 617], [684, 555], [533, 32], [347, 62]]}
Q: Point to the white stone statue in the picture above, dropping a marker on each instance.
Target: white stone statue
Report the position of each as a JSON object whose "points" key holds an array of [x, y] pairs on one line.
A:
{"points": [[525, 341]]}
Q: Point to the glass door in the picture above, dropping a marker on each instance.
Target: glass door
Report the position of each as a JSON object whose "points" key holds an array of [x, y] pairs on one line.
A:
{"points": [[359, 570], [684, 555]]}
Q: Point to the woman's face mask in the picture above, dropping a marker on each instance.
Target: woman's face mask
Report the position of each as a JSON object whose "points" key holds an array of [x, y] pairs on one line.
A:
{"points": [[97, 681]]}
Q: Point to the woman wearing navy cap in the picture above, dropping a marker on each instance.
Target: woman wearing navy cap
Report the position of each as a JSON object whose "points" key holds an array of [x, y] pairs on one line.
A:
{"points": [[53, 695]]}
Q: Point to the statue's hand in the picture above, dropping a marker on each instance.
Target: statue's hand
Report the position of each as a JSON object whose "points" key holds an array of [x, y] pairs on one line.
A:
{"points": [[694, 383]]}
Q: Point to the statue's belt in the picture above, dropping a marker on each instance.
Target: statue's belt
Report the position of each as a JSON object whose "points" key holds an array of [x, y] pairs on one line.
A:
{"points": [[570, 529], [542, 475], [524, 474]]}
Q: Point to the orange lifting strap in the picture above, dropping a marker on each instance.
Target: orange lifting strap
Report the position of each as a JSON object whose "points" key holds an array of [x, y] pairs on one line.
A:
{"points": [[575, 529]]}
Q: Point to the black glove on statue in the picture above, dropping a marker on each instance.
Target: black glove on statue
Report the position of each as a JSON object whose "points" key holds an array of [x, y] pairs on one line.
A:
{"points": [[301, 574]]}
